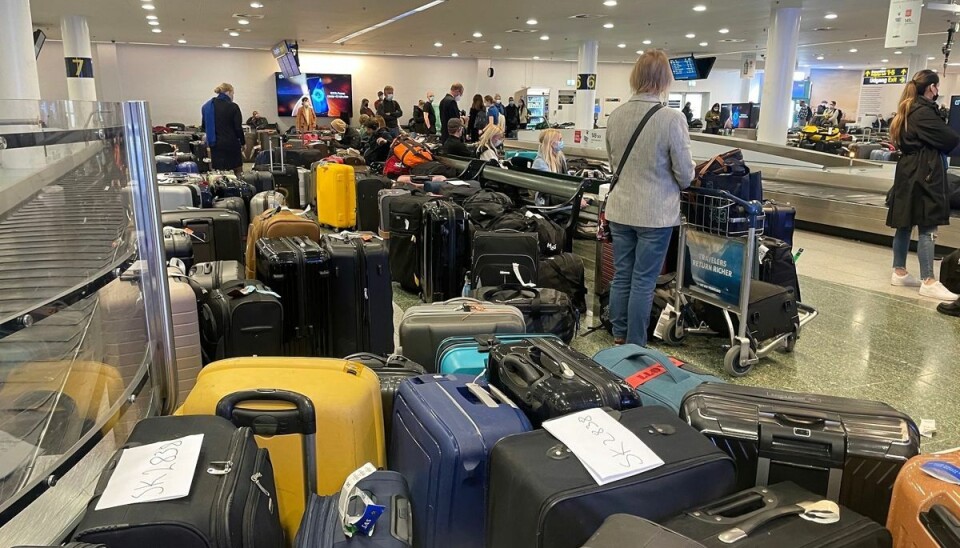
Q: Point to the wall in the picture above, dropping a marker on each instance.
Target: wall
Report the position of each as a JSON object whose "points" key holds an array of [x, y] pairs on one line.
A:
{"points": [[842, 86]]}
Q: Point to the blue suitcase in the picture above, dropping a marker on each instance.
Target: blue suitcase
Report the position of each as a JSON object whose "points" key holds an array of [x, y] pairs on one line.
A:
{"points": [[657, 379], [468, 355], [779, 221], [188, 167], [444, 428]]}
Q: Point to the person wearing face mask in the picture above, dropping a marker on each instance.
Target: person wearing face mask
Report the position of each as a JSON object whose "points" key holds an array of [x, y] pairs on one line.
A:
{"points": [[347, 136], [430, 115], [378, 102], [391, 112], [499, 102], [449, 108], [378, 143], [919, 194], [419, 125], [493, 113], [512, 115], [713, 120], [222, 123], [489, 144], [365, 109], [550, 154], [306, 117]]}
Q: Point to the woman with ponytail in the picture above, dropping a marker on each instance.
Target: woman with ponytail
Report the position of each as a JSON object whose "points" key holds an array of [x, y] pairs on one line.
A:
{"points": [[222, 124], [919, 194]]}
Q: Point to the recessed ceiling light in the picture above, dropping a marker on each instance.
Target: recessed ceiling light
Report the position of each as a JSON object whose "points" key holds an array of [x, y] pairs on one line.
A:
{"points": [[243, 21], [148, 7], [830, 16], [438, 44], [234, 33], [854, 50], [497, 46], [819, 57], [691, 35], [704, 44], [158, 31], [454, 54], [531, 21], [478, 35], [724, 31], [151, 18], [256, 5], [544, 37], [898, 52], [639, 52], [536, 57], [181, 41], [931, 58], [226, 45], [884, 60], [647, 42], [153, 23], [621, 46], [699, 7], [840, 66], [608, 25], [610, 3]]}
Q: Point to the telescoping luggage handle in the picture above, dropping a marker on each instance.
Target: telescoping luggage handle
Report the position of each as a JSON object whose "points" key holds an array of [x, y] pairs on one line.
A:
{"points": [[278, 422], [942, 525]]}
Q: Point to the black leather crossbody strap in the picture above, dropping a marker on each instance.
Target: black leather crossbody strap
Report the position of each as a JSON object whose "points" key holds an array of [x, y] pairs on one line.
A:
{"points": [[633, 141]]}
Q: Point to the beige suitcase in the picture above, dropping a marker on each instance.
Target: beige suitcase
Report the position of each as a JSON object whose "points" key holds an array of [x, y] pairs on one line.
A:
{"points": [[186, 332]]}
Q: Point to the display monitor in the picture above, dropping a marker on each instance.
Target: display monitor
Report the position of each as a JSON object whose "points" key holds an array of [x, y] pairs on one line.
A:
{"points": [[286, 55], [742, 115], [705, 66], [331, 94], [684, 68]]}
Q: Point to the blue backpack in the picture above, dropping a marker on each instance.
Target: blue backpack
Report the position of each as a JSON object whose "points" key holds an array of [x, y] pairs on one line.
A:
{"points": [[652, 374]]}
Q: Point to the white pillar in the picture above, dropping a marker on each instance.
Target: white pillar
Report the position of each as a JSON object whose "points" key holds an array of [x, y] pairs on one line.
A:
{"points": [[19, 83], [587, 76], [917, 63], [783, 36], [78, 58]]}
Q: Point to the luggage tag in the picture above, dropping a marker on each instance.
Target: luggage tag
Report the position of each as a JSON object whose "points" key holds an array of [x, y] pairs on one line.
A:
{"points": [[662, 321], [247, 290], [943, 471], [365, 522]]}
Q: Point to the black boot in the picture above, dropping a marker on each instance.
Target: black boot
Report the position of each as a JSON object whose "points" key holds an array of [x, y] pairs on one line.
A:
{"points": [[951, 309]]}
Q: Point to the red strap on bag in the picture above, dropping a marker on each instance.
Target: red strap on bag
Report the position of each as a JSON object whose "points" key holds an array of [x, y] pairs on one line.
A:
{"points": [[645, 375]]}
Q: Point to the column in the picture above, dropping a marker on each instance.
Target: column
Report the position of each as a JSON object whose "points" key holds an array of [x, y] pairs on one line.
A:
{"points": [[109, 87], [19, 83], [783, 37], [78, 58], [587, 83]]}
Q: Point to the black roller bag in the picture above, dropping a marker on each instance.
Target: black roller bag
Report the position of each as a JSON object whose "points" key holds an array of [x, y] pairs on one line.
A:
{"points": [[548, 379], [772, 312], [178, 244], [777, 266], [261, 181], [285, 178], [541, 496], [391, 370], [565, 273], [241, 318], [213, 275], [238, 206], [844, 449], [233, 509], [361, 295], [544, 310], [216, 233], [368, 201], [444, 251], [406, 222], [779, 221], [496, 253], [553, 238]]}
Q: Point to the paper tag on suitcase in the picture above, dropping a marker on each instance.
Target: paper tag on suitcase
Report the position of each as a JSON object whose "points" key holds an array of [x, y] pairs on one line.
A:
{"points": [[662, 321], [151, 473], [605, 447], [943, 471]]}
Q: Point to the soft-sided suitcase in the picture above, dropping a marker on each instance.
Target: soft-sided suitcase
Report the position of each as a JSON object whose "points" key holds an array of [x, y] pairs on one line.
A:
{"points": [[262, 181], [772, 312], [361, 295], [298, 270], [656, 377], [542, 496], [620, 530], [238, 206], [779, 221], [548, 379], [336, 195], [406, 225], [241, 318], [346, 398], [950, 271], [487, 205], [565, 273], [384, 197], [213, 275], [552, 237], [368, 201], [777, 266], [504, 257], [424, 327], [445, 251], [924, 510], [544, 310], [166, 164], [392, 371], [770, 516], [216, 233], [468, 355], [278, 223], [232, 501], [186, 330], [444, 429], [845, 449], [266, 200]]}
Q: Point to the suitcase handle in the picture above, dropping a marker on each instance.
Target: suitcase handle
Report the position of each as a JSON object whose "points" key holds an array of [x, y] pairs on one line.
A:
{"points": [[270, 422], [942, 525], [744, 529], [519, 367]]}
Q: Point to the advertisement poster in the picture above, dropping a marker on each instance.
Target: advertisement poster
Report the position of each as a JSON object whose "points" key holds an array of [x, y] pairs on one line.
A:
{"points": [[903, 23], [331, 94], [714, 266]]}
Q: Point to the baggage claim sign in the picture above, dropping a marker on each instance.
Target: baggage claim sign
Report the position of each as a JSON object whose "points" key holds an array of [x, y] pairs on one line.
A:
{"points": [[885, 76]]}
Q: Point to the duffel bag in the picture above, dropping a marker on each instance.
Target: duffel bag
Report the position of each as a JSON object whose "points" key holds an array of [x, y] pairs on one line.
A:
{"points": [[545, 311], [486, 206], [553, 239], [410, 152]]}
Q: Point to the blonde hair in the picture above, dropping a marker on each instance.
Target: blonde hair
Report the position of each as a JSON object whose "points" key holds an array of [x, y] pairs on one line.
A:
{"points": [[381, 122], [651, 73], [364, 118], [915, 88], [487, 136], [223, 88], [555, 160]]}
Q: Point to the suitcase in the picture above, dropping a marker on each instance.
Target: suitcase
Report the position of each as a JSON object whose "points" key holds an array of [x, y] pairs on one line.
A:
{"points": [[361, 295], [262, 181], [657, 378], [770, 516], [468, 355], [231, 187], [286, 178], [278, 223], [772, 312], [384, 198], [392, 371], [173, 196], [444, 430], [188, 167], [445, 251], [565, 273], [308, 188], [236, 479], [848, 450], [864, 151], [336, 195], [214, 275], [777, 266], [216, 234], [542, 496], [178, 244], [504, 257], [202, 197], [486, 206], [298, 270], [424, 327], [266, 200], [877, 154], [620, 530], [548, 379], [368, 191], [238, 206], [346, 398], [180, 140], [241, 318], [552, 237], [161, 148], [779, 220], [406, 225], [186, 330], [166, 164], [123, 324], [925, 511], [950, 271], [544, 310]]}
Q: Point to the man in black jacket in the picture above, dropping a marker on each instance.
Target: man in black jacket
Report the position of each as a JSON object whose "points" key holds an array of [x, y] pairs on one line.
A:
{"points": [[378, 143], [450, 109], [512, 112], [391, 112], [454, 145]]}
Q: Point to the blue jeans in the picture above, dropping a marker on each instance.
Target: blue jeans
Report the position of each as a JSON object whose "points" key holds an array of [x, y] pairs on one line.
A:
{"points": [[394, 132], [925, 247], [638, 255]]}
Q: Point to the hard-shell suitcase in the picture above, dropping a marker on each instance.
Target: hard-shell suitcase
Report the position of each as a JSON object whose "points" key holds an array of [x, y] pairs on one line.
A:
{"points": [[779, 221], [876, 154], [238, 206], [770, 516], [178, 244], [262, 181], [173, 196], [504, 257], [444, 429], [620, 530], [368, 201], [544, 310], [392, 371], [542, 496], [278, 223], [424, 327], [548, 379], [361, 295], [216, 234], [336, 195], [565, 273], [166, 164], [298, 270], [848, 450], [266, 200], [123, 325], [214, 275], [777, 266], [232, 502], [924, 510], [241, 318], [445, 251], [657, 379], [308, 187], [865, 150], [202, 197], [186, 330], [468, 355], [285, 177], [406, 226], [188, 167], [384, 198], [346, 399]]}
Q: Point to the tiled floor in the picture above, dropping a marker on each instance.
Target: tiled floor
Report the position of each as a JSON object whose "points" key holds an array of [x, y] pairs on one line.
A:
{"points": [[870, 340]]}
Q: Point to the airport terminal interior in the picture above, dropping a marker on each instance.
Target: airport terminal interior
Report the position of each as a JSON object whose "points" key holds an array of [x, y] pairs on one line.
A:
{"points": [[258, 210]]}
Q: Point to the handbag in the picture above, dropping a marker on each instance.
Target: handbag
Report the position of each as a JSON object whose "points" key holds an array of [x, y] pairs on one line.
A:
{"points": [[603, 226]]}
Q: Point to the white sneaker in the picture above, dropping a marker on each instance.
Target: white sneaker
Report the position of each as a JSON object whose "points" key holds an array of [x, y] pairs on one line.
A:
{"points": [[937, 291], [907, 280]]}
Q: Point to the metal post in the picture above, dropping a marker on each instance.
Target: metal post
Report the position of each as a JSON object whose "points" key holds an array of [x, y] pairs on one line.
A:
{"points": [[156, 290]]}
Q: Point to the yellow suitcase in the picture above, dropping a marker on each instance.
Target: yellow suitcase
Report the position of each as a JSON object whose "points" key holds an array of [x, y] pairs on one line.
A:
{"points": [[336, 195], [346, 396]]}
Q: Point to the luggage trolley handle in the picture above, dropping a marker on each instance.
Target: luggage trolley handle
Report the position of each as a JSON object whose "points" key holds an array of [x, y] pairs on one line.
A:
{"points": [[806, 437], [752, 208], [271, 422], [942, 525]]}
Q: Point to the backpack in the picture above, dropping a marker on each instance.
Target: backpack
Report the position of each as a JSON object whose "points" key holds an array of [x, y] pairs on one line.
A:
{"points": [[410, 152], [486, 206], [553, 238]]}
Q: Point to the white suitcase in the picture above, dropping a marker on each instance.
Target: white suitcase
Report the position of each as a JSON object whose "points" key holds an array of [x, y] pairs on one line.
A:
{"points": [[186, 331], [123, 324], [263, 201], [176, 196]]}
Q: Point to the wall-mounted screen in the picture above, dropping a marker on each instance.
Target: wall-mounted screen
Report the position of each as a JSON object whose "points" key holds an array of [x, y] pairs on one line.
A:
{"points": [[742, 115], [331, 94], [684, 68]]}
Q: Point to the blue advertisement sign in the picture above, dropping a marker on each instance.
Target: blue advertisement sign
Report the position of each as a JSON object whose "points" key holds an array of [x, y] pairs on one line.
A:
{"points": [[715, 266]]}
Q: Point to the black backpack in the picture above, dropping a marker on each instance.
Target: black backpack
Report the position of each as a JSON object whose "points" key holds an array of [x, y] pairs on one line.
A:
{"points": [[565, 273], [553, 238], [486, 206]]}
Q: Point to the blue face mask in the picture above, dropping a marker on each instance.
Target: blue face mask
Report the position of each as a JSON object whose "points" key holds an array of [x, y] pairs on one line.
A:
{"points": [[558, 146]]}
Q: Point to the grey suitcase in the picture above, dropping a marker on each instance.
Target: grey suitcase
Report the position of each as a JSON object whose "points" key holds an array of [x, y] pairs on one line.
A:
{"points": [[238, 206], [213, 275], [877, 154], [424, 327], [865, 150], [384, 197], [263, 201], [308, 188], [176, 196]]}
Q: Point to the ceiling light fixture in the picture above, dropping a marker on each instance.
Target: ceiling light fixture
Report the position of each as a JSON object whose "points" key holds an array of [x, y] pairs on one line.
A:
{"points": [[898, 52], [153, 23], [226, 45], [158, 31], [704, 44], [854, 50], [610, 3], [647, 42], [931, 58], [256, 5], [724, 31], [536, 57], [478, 35], [151, 17], [884, 60], [531, 21], [830, 16], [621, 46], [148, 7], [454, 54], [497, 46], [691, 35], [699, 7], [243, 21], [639, 52], [840, 66], [544, 37], [819, 57], [438, 44], [608, 25], [234, 33], [181, 41], [382, 24]]}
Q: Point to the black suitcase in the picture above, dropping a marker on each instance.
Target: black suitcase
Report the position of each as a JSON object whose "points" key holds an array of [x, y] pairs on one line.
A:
{"points": [[285, 178], [845, 449], [234, 479], [541, 496], [444, 251], [553, 238], [548, 379], [238, 206], [241, 318], [391, 370], [297, 269], [227, 187], [368, 201], [769, 516], [777, 266], [504, 257], [406, 222], [213, 275], [779, 221], [361, 295], [216, 233], [621, 530], [544, 310], [262, 181], [487, 205], [178, 244], [772, 312], [565, 273]]}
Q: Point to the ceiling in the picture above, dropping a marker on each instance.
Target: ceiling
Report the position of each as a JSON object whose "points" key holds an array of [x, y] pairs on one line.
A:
{"points": [[316, 24]]}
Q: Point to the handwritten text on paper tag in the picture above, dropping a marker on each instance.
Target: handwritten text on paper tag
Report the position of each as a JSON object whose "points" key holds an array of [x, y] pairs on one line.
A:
{"points": [[155, 472]]}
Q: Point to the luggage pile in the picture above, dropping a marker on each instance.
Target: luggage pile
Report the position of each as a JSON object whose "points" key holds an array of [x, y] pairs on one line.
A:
{"points": [[179, 149]]}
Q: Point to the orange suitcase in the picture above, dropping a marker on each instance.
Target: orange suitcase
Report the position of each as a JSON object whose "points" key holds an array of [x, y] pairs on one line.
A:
{"points": [[925, 511]]}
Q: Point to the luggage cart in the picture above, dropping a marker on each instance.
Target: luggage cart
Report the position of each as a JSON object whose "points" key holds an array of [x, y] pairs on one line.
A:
{"points": [[715, 265]]}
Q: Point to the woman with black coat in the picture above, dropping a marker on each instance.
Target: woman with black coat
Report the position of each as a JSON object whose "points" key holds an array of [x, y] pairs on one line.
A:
{"points": [[919, 194], [222, 124]]}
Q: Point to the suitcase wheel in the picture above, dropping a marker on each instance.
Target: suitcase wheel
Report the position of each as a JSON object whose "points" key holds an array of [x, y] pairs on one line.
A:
{"points": [[732, 363]]}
